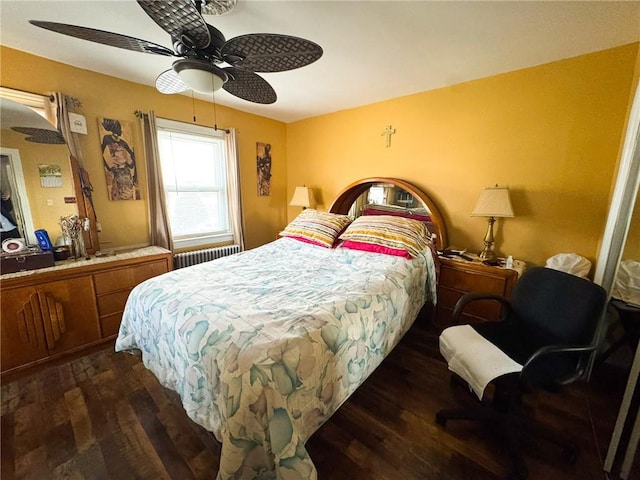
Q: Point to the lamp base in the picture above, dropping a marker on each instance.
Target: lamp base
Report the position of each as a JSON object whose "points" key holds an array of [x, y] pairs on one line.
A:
{"points": [[487, 253]]}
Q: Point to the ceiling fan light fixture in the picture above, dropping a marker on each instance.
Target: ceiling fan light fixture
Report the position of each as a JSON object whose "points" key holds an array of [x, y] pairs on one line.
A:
{"points": [[200, 76]]}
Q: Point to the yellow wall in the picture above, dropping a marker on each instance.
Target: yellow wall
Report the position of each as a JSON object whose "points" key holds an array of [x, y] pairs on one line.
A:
{"points": [[551, 133], [125, 222]]}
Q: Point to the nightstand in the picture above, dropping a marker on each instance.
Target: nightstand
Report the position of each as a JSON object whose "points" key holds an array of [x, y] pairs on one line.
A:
{"points": [[459, 276]]}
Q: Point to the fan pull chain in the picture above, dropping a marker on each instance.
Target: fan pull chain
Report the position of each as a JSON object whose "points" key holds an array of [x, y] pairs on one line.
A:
{"points": [[215, 112], [213, 97], [215, 117], [193, 106]]}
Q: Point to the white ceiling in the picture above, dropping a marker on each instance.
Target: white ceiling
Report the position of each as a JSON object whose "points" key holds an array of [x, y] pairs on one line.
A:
{"points": [[373, 50]]}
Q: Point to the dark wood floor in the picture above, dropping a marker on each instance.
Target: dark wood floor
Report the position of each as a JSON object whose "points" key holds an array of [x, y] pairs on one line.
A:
{"points": [[104, 416]]}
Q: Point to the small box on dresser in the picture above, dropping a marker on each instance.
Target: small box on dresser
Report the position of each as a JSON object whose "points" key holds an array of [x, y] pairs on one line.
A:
{"points": [[458, 277], [19, 262]]}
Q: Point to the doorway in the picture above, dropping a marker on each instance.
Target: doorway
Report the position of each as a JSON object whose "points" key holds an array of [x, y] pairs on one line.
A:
{"points": [[13, 185]]}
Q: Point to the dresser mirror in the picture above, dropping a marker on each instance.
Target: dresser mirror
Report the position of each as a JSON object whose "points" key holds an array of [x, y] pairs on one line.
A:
{"points": [[37, 180]]}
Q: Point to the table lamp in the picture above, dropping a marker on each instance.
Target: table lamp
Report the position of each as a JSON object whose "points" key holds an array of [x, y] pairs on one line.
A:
{"points": [[303, 197], [493, 202]]}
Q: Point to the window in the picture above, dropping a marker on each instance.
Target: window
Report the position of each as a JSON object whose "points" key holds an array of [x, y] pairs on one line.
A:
{"points": [[193, 163]]}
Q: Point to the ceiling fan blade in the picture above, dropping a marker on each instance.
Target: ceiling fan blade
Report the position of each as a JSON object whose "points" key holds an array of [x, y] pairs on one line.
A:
{"points": [[105, 38], [40, 135], [249, 86], [268, 52], [170, 82], [180, 19]]}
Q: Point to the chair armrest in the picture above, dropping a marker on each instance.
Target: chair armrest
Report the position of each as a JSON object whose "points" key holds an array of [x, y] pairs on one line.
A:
{"points": [[553, 349], [467, 298]]}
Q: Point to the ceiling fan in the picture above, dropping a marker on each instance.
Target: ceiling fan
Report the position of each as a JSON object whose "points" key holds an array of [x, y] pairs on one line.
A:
{"points": [[203, 50]]}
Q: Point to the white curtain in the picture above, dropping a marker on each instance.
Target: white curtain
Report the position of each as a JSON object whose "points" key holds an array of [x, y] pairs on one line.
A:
{"points": [[58, 113], [233, 185], [158, 216]]}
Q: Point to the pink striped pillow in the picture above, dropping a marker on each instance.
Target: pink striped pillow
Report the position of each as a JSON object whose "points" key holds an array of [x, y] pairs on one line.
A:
{"points": [[320, 228], [372, 247], [387, 231]]}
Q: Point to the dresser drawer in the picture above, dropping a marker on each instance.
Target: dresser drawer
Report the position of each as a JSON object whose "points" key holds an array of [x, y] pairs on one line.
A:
{"points": [[114, 286], [127, 277], [113, 280], [110, 324], [112, 302], [140, 273]]}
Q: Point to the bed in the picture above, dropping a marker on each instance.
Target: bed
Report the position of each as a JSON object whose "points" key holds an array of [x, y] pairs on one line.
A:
{"points": [[265, 345]]}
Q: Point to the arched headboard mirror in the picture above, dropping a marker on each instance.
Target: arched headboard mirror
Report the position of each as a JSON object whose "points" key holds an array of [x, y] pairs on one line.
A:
{"points": [[391, 195]]}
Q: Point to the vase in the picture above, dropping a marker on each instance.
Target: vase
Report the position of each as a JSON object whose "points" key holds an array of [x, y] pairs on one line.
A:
{"points": [[77, 244]]}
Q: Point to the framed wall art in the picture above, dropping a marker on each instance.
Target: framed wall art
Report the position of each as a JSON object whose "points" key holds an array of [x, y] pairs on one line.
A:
{"points": [[263, 158], [119, 159]]}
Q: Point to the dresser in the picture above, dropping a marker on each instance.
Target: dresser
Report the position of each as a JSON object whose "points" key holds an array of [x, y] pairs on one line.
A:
{"points": [[459, 276], [55, 311]]}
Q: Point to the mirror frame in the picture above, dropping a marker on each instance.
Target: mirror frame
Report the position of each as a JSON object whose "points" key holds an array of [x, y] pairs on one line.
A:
{"points": [[346, 198], [85, 206]]}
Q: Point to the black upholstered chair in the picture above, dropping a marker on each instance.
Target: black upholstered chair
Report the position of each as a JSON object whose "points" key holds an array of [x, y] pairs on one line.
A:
{"points": [[547, 331]]}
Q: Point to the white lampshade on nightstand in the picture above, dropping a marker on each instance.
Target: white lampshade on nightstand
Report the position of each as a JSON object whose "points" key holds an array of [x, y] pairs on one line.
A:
{"points": [[303, 197], [493, 202]]}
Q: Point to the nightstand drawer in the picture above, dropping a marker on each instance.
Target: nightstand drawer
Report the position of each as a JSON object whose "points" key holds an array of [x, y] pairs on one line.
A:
{"points": [[457, 278], [483, 309], [472, 281], [443, 318]]}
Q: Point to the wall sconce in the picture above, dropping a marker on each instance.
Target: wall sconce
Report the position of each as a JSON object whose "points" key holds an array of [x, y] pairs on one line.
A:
{"points": [[303, 197], [493, 202]]}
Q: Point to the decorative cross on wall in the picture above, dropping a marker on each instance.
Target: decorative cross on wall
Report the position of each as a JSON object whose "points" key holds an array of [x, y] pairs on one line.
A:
{"points": [[388, 131]]}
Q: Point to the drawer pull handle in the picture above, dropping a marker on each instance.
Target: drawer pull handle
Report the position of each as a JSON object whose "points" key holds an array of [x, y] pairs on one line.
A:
{"points": [[27, 321], [54, 325]]}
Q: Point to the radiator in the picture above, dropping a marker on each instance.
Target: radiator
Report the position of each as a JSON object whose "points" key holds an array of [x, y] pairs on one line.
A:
{"points": [[193, 257]]}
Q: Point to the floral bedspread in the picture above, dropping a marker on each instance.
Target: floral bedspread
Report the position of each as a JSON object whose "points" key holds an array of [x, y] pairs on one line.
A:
{"points": [[265, 345]]}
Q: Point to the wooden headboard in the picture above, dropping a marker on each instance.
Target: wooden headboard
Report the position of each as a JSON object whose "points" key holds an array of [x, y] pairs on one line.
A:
{"points": [[347, 197]]}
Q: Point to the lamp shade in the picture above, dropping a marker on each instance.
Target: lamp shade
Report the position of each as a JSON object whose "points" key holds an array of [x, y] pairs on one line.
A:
{"points": [[493, 202], [303, 197]]}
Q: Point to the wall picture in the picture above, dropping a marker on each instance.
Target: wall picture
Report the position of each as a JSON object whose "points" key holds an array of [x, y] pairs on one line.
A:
{"points": [[50, 176], [263, 156], [118, 159]]}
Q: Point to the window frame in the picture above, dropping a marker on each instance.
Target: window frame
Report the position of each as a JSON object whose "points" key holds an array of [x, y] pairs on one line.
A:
{"points": [[212, 238]]}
